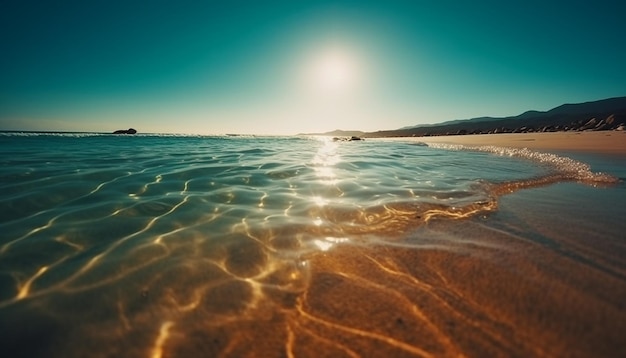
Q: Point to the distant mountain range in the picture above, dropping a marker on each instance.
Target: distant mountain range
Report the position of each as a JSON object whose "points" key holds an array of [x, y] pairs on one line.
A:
{"points": [[607, 114]]}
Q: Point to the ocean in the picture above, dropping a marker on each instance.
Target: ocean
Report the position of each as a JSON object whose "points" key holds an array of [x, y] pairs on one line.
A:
{"points": [[180, 246]]}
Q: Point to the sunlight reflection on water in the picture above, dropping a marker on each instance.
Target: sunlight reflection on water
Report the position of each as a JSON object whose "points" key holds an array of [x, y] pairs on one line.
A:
{"points": [[170, 235]]}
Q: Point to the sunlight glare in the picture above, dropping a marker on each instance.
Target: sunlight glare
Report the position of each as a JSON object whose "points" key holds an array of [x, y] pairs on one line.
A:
{"points": [[325, 160], [333, 71]]}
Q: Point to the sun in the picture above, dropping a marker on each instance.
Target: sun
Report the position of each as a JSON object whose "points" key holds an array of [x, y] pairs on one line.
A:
{"points": [[332, 86], [333, 71]]}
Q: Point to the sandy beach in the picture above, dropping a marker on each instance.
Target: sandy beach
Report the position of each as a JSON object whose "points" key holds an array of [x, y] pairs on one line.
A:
{"points": [[607, 142]]}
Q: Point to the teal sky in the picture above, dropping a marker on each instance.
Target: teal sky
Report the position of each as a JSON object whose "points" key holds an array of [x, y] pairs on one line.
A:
{"points": [[284, 67]]}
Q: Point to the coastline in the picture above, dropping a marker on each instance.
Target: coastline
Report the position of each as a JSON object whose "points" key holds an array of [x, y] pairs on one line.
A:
{"points": [[601, 142]]}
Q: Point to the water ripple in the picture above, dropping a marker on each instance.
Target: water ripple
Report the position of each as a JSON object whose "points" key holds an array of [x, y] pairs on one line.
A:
{"points": [[173, 240]]}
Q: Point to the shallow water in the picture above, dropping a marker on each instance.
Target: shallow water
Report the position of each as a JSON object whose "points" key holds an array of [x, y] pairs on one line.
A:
{"points": [[172, 245]]}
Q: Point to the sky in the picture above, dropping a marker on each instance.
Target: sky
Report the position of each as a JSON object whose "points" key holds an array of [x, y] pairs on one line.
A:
{"points": [[288, 67]]}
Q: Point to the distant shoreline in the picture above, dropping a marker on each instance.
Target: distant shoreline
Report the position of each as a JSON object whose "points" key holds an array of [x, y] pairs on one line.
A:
{"points": [[606, 142]]}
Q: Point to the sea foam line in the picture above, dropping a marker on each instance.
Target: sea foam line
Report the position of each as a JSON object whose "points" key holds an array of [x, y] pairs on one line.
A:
{"points": [[567, 168]]}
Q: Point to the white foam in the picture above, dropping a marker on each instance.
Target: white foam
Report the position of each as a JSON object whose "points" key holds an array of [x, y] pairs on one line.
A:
{"points": [[569, 168]]}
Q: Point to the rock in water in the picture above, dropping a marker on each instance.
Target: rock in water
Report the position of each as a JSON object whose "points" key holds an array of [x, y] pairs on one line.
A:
{"points": [[125, 131]]}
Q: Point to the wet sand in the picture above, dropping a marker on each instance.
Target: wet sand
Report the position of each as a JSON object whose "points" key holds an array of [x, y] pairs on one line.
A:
{"points": [[608, 142], [517, 283]]}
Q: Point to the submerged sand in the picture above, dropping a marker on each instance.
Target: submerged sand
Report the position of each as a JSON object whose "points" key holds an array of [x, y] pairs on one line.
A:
{"points": [[542, 276], [519, 283], [609, 142]]}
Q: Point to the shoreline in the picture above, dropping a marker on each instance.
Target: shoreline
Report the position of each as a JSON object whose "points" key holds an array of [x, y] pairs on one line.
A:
{"points": [[604, 142]]}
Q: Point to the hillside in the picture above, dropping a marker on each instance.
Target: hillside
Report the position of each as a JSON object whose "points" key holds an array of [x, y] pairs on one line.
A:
{"points": [[607, 114]]}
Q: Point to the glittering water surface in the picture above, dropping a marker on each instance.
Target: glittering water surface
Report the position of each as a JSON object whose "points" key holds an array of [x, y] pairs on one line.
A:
{"points": [[167, 244]]}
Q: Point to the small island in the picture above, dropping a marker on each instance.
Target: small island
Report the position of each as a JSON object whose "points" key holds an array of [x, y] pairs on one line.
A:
{"points": [[126, 131]]}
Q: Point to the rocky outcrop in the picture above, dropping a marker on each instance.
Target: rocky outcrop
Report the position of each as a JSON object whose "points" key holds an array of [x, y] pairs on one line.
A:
{"points": [[527, 123], [125, 131], [346, 139]]}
